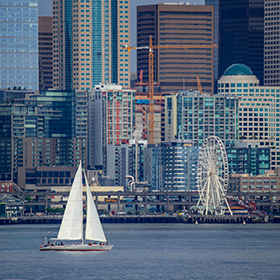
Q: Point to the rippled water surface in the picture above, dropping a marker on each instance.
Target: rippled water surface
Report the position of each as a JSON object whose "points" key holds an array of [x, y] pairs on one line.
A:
{"points": [[147, 251]]}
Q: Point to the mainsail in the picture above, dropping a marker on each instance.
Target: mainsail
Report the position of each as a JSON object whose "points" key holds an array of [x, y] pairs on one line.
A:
{"points": [[72, 224], [94, 230]]}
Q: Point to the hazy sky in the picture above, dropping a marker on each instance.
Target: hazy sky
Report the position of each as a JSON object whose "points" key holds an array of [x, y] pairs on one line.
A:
{"points": [[45, 9]]}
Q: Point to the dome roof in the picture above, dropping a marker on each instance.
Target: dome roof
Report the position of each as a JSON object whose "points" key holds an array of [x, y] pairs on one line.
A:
{"points": [[238, 70]]}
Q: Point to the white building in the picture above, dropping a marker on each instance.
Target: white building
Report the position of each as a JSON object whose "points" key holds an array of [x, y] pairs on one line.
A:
{"points": [[259, 108]]}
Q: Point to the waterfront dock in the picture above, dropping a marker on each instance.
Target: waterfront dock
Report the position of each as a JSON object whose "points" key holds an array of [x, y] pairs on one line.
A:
{"points": [[189, 219]]}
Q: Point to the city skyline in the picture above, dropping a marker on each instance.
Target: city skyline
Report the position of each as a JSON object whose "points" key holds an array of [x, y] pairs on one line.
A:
{"points": [[45, 9]]}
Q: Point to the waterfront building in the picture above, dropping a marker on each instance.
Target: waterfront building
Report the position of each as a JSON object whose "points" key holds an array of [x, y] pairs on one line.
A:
{"points": [[264, 185], [112, 119], [271, 43], [248, 157], [176, 24], [121, 161], [195, 116], [242, 35], [19, 44], [88, 38], [171, 165], [153, 167], [41, 132], [45, 53], [259, 111]]}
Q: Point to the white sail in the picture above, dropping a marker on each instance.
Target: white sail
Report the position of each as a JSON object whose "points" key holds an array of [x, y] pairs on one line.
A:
{"points": [[94, 230], [72, 224]]}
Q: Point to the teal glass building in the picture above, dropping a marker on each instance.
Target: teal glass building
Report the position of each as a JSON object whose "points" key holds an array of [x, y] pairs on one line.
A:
{"points": [[19, 44], [195, 116], [246, 158]]}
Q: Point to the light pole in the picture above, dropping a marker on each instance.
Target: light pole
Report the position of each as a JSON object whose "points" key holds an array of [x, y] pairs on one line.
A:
{"points": [[131, 182]]}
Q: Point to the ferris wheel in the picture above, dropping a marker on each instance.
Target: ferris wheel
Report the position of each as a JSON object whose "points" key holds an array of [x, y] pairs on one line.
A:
{"points": [[212, 175]]}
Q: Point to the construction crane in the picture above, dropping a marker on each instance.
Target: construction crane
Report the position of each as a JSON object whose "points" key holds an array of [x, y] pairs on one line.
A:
{"points": [[151, 48], [199, 87]]}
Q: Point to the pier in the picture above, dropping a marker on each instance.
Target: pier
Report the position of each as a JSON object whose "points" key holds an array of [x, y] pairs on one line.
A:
{"points": [[188, 219]]}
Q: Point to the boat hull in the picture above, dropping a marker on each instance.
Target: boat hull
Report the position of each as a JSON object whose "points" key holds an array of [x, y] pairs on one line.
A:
{"points": [[77, 247]]}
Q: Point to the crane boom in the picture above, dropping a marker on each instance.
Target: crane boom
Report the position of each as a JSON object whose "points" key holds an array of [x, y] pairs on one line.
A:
{"points": [[151, 49]]}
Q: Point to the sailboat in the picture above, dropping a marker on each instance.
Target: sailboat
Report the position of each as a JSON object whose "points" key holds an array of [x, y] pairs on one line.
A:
{"points": [[71, 228]]}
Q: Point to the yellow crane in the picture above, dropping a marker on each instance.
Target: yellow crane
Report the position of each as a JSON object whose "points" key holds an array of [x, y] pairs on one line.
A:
{"points": [[199, 87], [151, 48]]}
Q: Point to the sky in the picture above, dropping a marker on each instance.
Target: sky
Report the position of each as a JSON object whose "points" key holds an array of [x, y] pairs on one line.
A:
{"points": [[45, 9]]}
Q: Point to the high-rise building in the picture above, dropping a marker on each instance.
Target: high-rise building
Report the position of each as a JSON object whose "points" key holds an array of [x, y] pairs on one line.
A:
{"points": [[271, 43], [41, 132], [45, 53], [111, 120], [87, 39], [242, 35], [195, 116], [259, 108], [173, 25], [19, 44], [216, 5], [179, 165], [171, 165]]}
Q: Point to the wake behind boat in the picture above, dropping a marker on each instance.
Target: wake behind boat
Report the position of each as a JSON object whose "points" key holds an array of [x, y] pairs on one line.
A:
{"points": [[71, 228]]}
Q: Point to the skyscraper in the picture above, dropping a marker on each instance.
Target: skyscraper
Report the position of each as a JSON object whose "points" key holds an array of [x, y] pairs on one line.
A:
{"points": [[45, 53], [177, 24], [271, 43], [87, 43], [216, 5], [242, 35], [19, 44]]}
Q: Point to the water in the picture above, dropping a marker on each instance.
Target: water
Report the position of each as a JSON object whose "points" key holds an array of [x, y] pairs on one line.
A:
{"points": [[147, 251]]}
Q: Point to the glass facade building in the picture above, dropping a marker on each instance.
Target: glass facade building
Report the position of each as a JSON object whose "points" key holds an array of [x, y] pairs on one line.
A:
{"points": [[241, 38], [195, 116], [40, 132], [87, 39], [249, 159], [171, 165], [19, 66]]}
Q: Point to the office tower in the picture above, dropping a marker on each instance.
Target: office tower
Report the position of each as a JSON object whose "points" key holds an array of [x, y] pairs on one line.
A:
{"points": [[45, 53], [87, 43], [216, 5], [248, 158], [19, 44], [259, 108], [112, 119], [242, 35], [173, 25], [41, 135], [195, 116], [271, 43]]}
